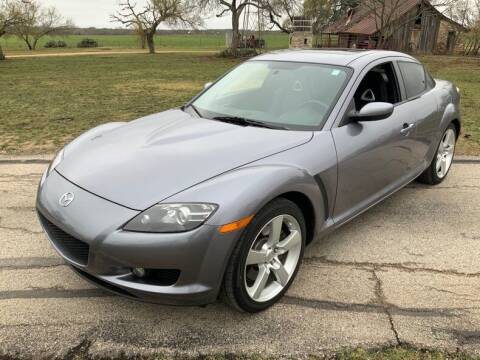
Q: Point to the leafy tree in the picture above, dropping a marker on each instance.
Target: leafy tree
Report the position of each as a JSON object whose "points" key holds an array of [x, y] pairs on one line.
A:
{"points": [[155, 12]]}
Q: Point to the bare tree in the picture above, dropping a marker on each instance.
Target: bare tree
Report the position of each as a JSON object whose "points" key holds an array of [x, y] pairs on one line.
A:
{"points": [[340, 7], [468, 13], [156, 12], [141, 34], [37, 22], [281, 13], [465, 12], [10, 16], [235, 8], [323, 12], [384, 13], [320, 11]]}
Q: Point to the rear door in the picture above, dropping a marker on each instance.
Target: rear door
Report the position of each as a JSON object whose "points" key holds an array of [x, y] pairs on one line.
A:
{"points": [[418, 94], [375, 157]]}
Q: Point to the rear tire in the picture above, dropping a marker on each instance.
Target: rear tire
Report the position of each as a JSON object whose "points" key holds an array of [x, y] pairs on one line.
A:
{"points": [[442, 161], [266, 258]]}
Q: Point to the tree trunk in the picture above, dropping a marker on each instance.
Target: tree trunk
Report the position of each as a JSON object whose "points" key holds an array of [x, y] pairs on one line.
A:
{"points": [[151, 42], [381, 41], [2, 55], [27, 41], [235, 32], [34, 44], [143, 41]]}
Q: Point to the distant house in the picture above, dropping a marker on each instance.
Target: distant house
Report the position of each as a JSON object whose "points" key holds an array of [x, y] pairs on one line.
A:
{"points": [[408, 25]]}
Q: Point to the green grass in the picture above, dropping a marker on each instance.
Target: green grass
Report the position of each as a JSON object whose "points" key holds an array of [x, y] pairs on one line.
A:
{"points": [[465, 73], [48, 101], [180, 42], [45, 102]]}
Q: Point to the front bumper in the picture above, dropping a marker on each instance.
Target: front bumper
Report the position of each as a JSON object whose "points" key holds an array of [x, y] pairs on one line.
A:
{"points": [[88, 235]]}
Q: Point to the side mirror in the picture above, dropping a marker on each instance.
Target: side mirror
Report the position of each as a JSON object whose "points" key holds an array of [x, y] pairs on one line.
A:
{"points": [[373, 112], [207, 85]]}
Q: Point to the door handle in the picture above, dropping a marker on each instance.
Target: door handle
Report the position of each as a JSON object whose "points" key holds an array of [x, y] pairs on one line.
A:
{"points": [[407, 128]]}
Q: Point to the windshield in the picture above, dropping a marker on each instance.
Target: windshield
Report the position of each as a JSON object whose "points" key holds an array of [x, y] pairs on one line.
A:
{"points": [[297, 95]]}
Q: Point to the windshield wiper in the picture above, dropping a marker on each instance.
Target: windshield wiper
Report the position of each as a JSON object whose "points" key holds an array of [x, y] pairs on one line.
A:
{"points": [[248, 122]]}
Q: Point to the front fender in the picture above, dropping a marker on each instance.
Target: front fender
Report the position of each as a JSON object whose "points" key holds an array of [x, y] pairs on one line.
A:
{"points": [[243, 192]]}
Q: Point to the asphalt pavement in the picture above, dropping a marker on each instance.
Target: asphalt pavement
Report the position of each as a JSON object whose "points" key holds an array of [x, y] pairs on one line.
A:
{"points": [[405, 272]]}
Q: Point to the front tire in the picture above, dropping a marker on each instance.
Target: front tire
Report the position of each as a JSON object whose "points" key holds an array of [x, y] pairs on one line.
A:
{"points": [[442, 162], [267, 257]]}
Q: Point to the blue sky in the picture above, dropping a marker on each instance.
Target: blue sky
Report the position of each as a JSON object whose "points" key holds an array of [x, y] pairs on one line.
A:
{"points": [[85, 13]]}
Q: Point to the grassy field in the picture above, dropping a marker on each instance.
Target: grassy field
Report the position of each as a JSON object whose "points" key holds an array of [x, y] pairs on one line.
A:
{"points": [[45, 102], [181, 42], [50, 100], [465, 73]]}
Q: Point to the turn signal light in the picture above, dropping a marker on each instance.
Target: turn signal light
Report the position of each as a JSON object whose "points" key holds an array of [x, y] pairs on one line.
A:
{"points": [[237, 225]]}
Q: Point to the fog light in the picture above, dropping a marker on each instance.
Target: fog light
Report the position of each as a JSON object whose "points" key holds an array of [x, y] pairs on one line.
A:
{"points": [[139, 272]]}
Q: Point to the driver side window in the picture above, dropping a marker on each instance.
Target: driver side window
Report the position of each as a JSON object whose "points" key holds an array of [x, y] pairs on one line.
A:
{"points": [[379, 85]]}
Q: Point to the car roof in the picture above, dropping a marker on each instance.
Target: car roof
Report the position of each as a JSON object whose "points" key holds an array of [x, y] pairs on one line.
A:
{"points": [[339, 57]]}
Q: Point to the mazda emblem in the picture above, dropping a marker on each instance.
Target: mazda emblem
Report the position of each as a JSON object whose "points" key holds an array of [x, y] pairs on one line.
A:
{"points": [[66, 199]]}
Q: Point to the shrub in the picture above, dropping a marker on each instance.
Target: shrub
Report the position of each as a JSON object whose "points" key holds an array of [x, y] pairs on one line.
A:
{"points": [[87, 43], [55, 44], [227, 53], [51, 44]]}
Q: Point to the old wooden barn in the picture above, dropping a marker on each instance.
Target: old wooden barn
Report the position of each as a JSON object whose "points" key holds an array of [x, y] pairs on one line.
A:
{"points": [[403, 25]]}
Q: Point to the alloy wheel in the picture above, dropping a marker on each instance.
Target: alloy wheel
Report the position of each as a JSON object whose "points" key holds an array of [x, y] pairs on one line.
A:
{"points": [[273, 258], [445, 153]]}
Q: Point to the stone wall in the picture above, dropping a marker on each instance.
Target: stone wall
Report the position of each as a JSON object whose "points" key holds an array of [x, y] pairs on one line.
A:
{"points": [[301, 39], [443, 45]]}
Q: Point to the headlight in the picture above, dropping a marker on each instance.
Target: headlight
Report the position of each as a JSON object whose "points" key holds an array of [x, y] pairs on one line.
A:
{"points": [[56, 161], [170, 218]]}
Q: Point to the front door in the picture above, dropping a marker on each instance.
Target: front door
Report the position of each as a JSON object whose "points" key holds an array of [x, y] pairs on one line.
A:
{"points": [[374, 157], [451, 42], [423, 101]]}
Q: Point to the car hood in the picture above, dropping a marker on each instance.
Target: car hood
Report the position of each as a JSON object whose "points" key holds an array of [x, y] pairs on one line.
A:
{"points": [[148, 160]]}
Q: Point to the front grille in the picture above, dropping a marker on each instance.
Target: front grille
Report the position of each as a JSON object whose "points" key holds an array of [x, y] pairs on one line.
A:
{"points": [[73, 249]]}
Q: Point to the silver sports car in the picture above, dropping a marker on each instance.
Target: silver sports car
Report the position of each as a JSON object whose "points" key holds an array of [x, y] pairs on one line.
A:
{"points": [[222, 195]]}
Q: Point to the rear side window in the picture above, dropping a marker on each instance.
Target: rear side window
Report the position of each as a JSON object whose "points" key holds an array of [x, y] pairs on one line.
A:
{"points": [[414, 78], [430, 82]]}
